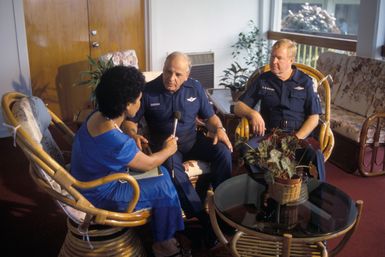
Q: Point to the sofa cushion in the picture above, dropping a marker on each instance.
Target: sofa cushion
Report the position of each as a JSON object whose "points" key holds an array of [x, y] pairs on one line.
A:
{"points": [[359, 83], [356, 92], [125, 58], [335, 65], [350, 124], [378, 103]]}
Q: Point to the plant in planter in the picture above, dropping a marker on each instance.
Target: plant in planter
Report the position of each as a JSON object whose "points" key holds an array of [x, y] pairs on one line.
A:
{"points": [[92, 76], [249, 53], [276, 155], [98, 66], [234, 78]]}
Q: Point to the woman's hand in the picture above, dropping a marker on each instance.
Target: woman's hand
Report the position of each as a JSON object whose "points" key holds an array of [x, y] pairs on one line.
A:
{"points": [[170, 145]]}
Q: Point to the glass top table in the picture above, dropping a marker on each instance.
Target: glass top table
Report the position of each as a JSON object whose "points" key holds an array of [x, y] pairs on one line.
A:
{"points": [[222, 101], [325, 212], [221, 98]]}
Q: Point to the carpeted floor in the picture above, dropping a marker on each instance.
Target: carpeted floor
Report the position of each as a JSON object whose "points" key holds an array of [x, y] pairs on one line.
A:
{"points": [[32, 225]]}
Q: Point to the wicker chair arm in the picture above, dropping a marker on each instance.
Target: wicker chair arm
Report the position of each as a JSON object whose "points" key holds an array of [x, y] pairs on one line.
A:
{"points": [[110, 178], [102, 216], [375, 122], [242, 131]]}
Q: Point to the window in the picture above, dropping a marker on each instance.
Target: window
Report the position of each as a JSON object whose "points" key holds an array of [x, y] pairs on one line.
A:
{"points": [[336, 18]]}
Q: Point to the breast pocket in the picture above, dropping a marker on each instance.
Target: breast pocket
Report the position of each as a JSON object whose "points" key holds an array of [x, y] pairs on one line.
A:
{"points": [[269, 99], [297, 100], [155, 108], [191, 110]]}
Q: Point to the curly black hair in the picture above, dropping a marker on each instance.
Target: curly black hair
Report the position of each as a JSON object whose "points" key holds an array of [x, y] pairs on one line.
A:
{"points": [[118, 86]]}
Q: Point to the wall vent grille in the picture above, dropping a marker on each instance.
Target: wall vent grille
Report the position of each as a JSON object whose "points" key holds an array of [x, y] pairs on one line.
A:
{"points": [[202, 68]]}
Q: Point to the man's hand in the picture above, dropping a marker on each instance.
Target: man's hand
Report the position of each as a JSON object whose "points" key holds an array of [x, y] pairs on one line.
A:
{"points": [[139, 140], [131, 129], [257, 123], [221, 135]]}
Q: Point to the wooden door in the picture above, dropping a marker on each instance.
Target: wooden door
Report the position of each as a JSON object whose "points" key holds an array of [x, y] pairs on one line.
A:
{"points": [[119, 25], [59, 41]]}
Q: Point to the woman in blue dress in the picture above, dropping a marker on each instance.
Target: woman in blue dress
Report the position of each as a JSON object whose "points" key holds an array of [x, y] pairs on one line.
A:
{"points": [[100, 148]]}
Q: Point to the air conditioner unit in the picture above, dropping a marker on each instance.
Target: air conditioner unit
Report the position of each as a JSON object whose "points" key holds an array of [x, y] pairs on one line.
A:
{"points": [[202, 68]]}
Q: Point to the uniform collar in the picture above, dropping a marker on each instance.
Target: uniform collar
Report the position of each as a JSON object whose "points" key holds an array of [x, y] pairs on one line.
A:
{"points": [[296, 74]]}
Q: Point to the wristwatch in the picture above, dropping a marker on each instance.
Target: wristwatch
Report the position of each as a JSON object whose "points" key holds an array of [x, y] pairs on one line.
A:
{"points": [[221, 128]]}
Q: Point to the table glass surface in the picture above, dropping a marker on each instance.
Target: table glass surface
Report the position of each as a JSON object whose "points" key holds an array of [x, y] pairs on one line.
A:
{"points": [[326, 211], [221, 98]]}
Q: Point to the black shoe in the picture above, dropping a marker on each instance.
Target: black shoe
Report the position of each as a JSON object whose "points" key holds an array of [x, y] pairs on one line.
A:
{"points": [[210, 239], [211, 243]]}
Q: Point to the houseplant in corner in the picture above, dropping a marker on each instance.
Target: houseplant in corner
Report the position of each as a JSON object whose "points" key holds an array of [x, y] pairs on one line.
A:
{"points": [[276, 156], [250, 52], [235, 79], [92, 76], [98, 66]]}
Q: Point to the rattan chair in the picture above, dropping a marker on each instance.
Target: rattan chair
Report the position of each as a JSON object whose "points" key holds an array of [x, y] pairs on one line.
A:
{"points": [[91, 231], [251, 243], [325, 136]]}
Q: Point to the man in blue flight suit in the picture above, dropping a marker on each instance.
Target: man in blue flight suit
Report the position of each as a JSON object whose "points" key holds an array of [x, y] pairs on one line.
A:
{"points": [[287, 101], [174, 92]]}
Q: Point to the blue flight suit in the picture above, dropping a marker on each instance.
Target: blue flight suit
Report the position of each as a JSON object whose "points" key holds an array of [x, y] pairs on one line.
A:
{"points": [[158, 107], [286, 105]]}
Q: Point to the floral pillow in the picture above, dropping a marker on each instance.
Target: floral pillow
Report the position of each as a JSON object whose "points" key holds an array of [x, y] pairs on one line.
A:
{"points": [[34, 118], [125, 58]]}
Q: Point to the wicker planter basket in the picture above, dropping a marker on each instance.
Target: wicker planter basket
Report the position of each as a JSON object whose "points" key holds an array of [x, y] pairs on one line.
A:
{"points": [[285, 190]]}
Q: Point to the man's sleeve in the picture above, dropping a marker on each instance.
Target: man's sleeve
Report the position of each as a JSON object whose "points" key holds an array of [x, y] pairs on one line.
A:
{"points": [[250, 96], [206, 109]]}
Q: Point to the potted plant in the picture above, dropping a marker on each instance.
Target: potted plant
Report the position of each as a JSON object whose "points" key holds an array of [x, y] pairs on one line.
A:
{"points": [[92, 76], [276, 156], [91, 79], [249, 53], [98, 66], [234, 78]]}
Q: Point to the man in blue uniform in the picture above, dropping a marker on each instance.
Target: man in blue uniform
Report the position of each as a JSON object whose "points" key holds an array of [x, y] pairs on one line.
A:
{"points": [[287, 100], [174, 92]]}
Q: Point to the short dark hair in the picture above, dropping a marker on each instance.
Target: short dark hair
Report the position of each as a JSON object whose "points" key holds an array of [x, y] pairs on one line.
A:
{"points": [[118, 86]]}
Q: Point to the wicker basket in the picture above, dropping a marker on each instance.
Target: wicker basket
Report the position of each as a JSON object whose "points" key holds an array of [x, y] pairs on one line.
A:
{"points": [[285, 191]]}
